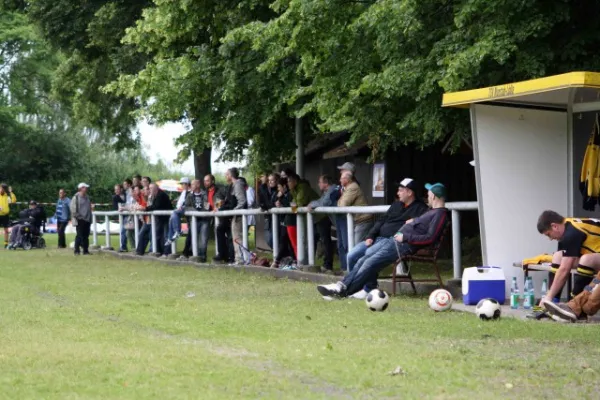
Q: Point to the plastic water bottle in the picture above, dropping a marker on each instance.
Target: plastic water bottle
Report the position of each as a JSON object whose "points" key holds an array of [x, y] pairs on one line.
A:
{"points": [[514, 293], [544, 290], [528, 293]]}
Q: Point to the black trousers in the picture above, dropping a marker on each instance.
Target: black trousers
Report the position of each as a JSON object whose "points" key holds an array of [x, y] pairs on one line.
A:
{"points": [[324, 231], [224, 240], [60, 228], [82, 240]]}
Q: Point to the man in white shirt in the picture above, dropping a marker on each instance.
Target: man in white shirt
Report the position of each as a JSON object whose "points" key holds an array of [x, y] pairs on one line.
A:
{"points": [[175, 220]]}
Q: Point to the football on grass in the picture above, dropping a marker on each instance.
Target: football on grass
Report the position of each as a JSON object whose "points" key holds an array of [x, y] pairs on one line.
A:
{"points": [[488, 309], [440, 300], [377, 300]]}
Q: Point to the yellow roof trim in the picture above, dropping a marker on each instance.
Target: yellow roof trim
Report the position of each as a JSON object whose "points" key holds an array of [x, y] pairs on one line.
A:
{"points": [[517, 89]]}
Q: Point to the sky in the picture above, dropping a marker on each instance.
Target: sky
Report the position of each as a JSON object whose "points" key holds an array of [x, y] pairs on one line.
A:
{"points": [[159, 143]]}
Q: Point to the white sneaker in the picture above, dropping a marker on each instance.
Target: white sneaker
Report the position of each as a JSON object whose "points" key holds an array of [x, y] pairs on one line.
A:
{"points": [[168, 242], [333, 289], [360, 295], [175, 236]]}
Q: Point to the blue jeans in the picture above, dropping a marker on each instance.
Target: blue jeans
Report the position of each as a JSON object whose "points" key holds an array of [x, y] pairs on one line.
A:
{"points": [[376, 258], [268, 229], [123, 237], [358, 252], [341, 226], [175, 223], [203, 224]]}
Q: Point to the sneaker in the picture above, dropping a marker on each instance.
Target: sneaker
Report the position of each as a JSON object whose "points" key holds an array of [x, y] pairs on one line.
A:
{"points": [[333, 289], [164, 256], [87, 253], [77, 253], [182, 258], [274, 264], [360, 295], [538, 315], [560, 312], [328, 298], [123, 250], [175, 237], [168, 242]]}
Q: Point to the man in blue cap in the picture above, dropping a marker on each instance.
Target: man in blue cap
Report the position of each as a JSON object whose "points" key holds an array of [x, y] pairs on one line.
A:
{"points": [[416, 233]]}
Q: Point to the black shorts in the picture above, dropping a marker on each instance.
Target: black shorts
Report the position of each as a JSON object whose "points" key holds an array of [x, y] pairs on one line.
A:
{"points": [[4, 221]]}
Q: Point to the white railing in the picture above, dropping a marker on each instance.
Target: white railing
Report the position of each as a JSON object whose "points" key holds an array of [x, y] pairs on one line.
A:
{"points": [[302, 215]]}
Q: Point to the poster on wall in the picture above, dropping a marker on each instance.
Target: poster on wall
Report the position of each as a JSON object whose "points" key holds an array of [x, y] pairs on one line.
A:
{"points": [[378, 180]]}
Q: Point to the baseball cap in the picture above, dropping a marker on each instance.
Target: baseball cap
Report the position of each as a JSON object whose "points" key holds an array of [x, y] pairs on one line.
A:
{"points": [[349, 166], [438, 189], [185, 179], [82, 185], [33, 202], [408, 183]]}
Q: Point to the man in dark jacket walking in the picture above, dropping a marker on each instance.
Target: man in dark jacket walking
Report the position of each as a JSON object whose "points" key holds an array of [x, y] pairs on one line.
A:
{"points": [[416, 233], [158, 200]]}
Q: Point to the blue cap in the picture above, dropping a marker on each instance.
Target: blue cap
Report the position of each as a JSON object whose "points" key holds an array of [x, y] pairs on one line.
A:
{"points": [[438, 189]]}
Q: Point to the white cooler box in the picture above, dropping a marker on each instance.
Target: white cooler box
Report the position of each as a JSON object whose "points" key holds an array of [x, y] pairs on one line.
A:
{"points": [[483, 282]]}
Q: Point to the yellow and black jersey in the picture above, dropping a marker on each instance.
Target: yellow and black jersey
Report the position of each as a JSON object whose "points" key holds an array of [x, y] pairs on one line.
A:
{"points": [[582, 236]]}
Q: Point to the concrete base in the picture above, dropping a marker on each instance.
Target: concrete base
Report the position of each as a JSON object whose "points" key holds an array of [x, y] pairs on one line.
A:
{"points": [[107, 248], [310, 268], [94, 247], [174, 256]]}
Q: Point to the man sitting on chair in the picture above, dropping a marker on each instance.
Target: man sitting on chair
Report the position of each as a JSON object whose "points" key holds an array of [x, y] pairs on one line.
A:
{"points": [[578, 248], [374, 247], [417, 233]]}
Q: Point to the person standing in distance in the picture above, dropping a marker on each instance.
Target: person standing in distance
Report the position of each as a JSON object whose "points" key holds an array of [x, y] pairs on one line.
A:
{"points": [[63, 215], [81, 218]]}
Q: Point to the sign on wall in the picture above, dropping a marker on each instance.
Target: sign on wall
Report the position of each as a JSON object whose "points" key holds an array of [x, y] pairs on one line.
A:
{"points": [[378, 180]]}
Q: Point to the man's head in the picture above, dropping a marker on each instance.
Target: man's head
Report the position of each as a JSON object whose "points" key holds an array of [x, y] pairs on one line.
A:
{"points": [[83, 188], [282, 185], [272, 180], [61, 193], [436, 194], [137, 190], [263, 179], [185, 183], [324, 182], [153, 189], [292, 181], [118, 189], [127, 183], [348, 167], [551, 224], [232, 174], [33, 204], [3, 188], [137, 180], [195, 186], [209, 181], [407, 190], [346, 178], [146, 181], [287, 172]]}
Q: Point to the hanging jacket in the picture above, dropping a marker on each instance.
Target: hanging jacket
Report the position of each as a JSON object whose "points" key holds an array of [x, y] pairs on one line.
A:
{"points": [[589, 181]]}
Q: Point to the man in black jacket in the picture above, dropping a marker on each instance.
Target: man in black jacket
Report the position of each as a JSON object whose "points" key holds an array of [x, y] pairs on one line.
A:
{"points": [[34, 216], [406, 208], [416, 233], [267, 196], [158, 200]]}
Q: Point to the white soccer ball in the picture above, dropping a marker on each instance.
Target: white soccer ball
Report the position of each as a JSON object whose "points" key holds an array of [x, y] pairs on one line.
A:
{"points": [[377, 300], [488, 309], [440, 300]]}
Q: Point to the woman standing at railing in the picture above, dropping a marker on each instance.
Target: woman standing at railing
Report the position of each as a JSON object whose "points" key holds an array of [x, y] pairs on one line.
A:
{"points": [[285, 222]]}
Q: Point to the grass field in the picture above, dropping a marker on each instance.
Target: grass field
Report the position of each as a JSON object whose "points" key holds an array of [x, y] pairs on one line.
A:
{"points": [[99, 327]]}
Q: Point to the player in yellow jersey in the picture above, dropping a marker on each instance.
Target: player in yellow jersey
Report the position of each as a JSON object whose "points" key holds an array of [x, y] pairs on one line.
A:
{"points": [[6, 199], [578, 248]]}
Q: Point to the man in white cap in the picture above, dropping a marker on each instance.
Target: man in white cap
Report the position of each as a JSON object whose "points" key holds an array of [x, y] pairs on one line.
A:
{"points": [[81, 218], [347, 166], [175, 221]]}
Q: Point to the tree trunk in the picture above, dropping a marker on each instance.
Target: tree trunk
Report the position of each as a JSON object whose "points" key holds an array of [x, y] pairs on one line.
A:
{"points": [[202, 164]]}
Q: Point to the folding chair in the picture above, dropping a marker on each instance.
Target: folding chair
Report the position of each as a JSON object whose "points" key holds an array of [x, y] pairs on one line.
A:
{"points": [[427, 255]]}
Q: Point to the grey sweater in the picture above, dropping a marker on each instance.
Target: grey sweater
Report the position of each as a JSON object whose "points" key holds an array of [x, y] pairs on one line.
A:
{"points": [[81, 209]]}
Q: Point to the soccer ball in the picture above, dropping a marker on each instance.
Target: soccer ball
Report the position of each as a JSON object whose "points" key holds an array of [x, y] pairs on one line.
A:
{"points": [[440, 300], [377, 300], [488, 309]]}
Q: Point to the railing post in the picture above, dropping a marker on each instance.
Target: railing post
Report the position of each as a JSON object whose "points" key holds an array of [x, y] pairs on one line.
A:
{"points": [[300, 237], [194, 236], [107, 245], [245, 231], [216, 225], [136, 229], [456, 245], [310, 233], [94, 231], [153, 222], [275, 222], [121, 233], [350, 219]]}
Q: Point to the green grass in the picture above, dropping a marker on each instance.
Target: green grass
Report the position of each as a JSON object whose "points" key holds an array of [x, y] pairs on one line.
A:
{"points": [[99, 327]]}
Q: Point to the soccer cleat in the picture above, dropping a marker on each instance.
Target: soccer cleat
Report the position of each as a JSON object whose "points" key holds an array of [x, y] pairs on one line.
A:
{"points": [[333, 289], [560, 312], [328, 298], [360, 295]]}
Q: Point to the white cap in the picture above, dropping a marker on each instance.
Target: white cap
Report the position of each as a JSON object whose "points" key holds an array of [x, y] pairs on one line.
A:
{"points": [[185, 179], [82, 185]]}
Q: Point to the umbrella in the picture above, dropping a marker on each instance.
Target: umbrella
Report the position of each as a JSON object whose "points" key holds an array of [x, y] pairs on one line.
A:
{"points": [[169, 185]]}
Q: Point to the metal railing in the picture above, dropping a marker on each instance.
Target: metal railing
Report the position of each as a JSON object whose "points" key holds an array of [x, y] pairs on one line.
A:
{"points": [[304, 223]]}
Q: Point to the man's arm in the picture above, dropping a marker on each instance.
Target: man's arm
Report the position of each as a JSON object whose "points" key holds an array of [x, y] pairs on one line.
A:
{"points": [[348, 197], [240, 195], [561, 276], [434, 229]]}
